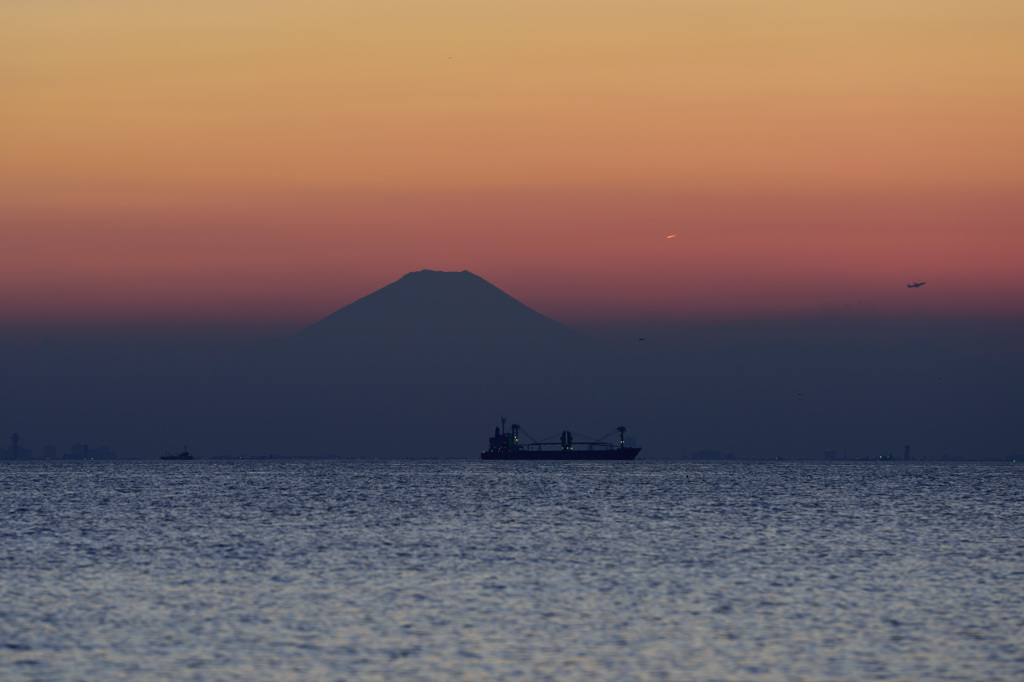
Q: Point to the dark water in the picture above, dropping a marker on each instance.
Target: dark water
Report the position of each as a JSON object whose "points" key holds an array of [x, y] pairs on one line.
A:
{"points": [[507, 570]]}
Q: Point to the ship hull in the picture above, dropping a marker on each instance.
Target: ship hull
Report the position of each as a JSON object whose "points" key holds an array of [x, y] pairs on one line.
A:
{"points": [[570, 455]]}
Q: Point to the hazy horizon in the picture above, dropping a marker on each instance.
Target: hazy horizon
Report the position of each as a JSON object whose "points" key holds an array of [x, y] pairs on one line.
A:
{"points": [[976, 332], [447, 353]]}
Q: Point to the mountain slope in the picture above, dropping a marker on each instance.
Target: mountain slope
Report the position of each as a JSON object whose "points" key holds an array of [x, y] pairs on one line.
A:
{"points": [[440, 314], [439, 353]]}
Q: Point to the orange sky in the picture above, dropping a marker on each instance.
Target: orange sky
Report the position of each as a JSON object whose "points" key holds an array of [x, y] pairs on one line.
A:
{"points": [[260, 161]]}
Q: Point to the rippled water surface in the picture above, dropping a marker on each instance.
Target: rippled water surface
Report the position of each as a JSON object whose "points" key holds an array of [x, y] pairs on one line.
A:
{"points": [[511, 570]]}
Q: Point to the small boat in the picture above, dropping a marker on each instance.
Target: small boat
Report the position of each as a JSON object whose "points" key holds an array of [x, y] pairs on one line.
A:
{"points": [[506, 445], [185, 454]]}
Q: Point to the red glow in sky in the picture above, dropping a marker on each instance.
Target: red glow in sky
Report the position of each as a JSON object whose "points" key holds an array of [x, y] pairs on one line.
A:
{"points": [[573, 256], [168, 163]]}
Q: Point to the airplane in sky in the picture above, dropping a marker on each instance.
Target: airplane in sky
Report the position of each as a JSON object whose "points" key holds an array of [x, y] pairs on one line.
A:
{"points": [[915, 285]]}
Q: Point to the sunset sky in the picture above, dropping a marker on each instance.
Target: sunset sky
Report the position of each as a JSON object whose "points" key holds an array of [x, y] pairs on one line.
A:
{"points": [[266, 162]]}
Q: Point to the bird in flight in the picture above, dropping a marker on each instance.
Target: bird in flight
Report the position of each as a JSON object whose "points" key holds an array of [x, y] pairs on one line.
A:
{"points": [[915, 285]]}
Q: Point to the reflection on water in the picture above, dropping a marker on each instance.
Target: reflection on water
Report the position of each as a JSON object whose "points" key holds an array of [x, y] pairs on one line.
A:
{"points": [[470, 570]]}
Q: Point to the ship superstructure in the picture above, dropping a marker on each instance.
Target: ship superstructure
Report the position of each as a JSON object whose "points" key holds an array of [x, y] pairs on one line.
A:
{"points": [[507, 445]]}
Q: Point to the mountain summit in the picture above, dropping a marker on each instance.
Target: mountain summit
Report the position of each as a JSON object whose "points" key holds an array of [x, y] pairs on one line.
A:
{"points": [[433, 311]]}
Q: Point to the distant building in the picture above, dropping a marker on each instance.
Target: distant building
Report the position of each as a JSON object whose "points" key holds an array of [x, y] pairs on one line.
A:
{"points": [[829, 455], [83, 451], [78, 451], [50, 451], [16, 451]]}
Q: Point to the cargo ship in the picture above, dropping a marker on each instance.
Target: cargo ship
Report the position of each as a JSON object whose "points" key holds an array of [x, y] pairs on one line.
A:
{"points": [[506, 445], [182, 455]]}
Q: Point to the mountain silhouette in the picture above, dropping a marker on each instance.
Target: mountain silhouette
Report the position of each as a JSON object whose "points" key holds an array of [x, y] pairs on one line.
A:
{"points": [[439, 353], [425, 367], [430, 315]]}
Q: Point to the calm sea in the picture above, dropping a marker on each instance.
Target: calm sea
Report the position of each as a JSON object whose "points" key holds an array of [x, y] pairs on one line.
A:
{"points": [[511, 570]]}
